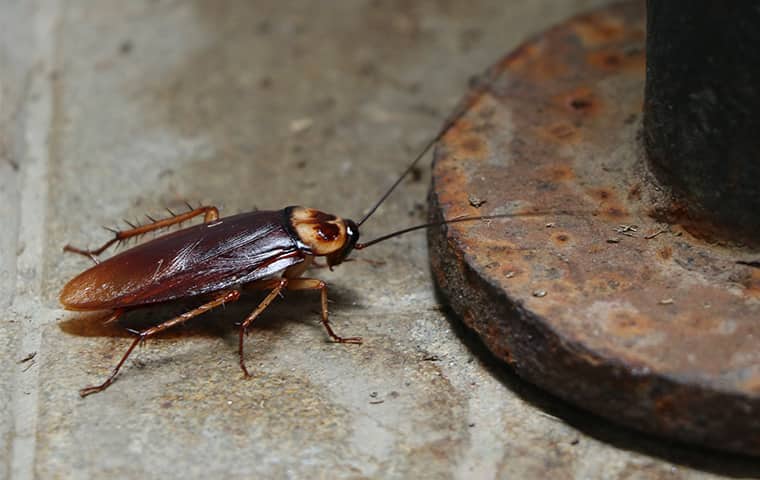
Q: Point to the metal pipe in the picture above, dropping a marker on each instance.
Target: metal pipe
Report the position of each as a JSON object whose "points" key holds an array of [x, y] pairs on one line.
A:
{"points": [[702, 112]]}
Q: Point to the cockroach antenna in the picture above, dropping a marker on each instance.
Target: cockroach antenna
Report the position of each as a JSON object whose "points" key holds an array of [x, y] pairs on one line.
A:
{"points": [[363, 245], [419, 156], [464, 218], [460, 110], [480, 86]]}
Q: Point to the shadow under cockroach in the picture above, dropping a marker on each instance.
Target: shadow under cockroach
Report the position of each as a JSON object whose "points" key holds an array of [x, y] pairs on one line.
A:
{"points": [[299, 307]]}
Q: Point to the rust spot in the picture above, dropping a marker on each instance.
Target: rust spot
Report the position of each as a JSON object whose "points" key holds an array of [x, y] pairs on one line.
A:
{"points": [[581, 103], [531, 62], [459, 128], [594, 30], [691, 218], [560, 238], [629, 324], [506, 355], [634, 193], [612, 60], [560, 132], [665, 253], [695, 324], [614, 213], [608, 283], [519, 57], [666, 405], [752, 283], [563, 131], [557, 173], [608, 200], [602, 194], [473, 146], [581, 100]]}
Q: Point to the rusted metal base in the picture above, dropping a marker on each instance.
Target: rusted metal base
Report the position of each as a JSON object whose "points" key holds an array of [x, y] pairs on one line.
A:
{"points": [[588, 295]]}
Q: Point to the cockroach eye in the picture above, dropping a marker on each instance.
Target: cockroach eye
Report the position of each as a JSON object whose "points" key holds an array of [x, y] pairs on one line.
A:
{"points": [[352, 236], [327, 231]]}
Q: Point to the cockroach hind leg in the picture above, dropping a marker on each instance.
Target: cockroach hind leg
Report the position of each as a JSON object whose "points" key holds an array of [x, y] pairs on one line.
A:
{"points": [[114, 316], [99, 388], [223, 297], [91, 254], [339, 339], [83, 392], [210, 213]]}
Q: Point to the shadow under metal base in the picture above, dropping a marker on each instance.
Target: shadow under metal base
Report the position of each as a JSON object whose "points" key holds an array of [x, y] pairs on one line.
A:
{"points": [[584, 292]]}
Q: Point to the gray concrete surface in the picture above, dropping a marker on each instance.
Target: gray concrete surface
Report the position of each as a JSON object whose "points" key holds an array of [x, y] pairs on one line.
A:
{"points": [[114, 109]]}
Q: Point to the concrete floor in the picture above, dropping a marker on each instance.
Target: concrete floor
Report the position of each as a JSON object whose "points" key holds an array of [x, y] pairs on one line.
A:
{"points": [[114, 109]]}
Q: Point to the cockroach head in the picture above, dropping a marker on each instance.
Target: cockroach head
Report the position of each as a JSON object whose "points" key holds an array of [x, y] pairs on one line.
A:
{"points": [[324, 234], [352, 236]]}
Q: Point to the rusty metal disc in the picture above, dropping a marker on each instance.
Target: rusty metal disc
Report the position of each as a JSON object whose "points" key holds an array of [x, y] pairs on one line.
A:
{"points": [[584, 292]]}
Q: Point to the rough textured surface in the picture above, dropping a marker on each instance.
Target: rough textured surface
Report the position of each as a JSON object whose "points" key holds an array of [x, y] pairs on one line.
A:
{"points": [[700, 123], [116, 109], [583, 291]]}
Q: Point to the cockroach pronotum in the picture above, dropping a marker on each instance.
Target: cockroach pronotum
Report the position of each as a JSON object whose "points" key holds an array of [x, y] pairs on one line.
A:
{"points": [[262, 250]]}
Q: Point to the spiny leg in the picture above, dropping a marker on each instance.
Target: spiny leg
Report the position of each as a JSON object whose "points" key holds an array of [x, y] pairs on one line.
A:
{"points": [[316, 284], [223, 298], [209, 215], [276, 285]]}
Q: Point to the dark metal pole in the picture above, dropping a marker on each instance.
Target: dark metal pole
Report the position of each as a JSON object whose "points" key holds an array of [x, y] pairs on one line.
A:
{"points": [[702, 112]]}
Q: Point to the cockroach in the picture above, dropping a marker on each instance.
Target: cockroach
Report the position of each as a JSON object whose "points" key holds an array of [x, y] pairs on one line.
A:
{"points": [[260, 250]]}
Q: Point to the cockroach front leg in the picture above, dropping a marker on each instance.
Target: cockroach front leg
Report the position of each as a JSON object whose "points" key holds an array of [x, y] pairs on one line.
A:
{"points": [[223, 298], [316, 284], [209, 215]]}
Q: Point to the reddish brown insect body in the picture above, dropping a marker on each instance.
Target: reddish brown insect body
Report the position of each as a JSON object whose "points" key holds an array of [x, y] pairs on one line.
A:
{"points": [[261, 250], [213, 256]]}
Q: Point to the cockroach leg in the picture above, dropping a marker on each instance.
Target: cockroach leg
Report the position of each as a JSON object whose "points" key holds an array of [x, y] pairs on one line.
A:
{"points": [[209, 213], [276, 285], [316, 284], [228, 296], [114, 316]]}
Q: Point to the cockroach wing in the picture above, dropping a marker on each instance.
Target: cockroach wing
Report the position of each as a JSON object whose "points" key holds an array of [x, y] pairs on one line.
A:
{"points": [[199, 259]]}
